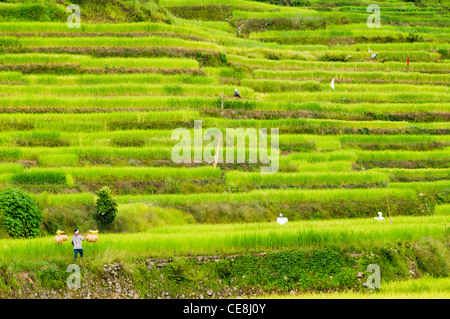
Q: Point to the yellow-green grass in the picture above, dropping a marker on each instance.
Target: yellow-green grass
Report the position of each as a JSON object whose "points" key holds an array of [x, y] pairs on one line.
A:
{"points": [[74, 122], [425, 174], [304, 179], [160, 137], [381, 108], [92, 103], [395, 192], [262, 85], [287, 63], [91, 62], [330, 103], [355, 30], [248, 5], [422, 288], [356, 155], [22, 27], [8, 154], [111, 120], [104, 173], [98, 79], [392, 77], [284, 122], [114, 42], [126, 90], [384, 139], [358, 97], [437, 159], [291, 196], [287, 165], [237, 238]]}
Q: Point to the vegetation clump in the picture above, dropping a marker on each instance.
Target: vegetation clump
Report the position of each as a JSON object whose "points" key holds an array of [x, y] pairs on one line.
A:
{"points": [[19, 213], [106, 207]]}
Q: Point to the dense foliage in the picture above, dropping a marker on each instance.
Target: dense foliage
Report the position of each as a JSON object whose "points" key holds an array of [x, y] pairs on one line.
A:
{"points": [[106, 207], [20, 215]]}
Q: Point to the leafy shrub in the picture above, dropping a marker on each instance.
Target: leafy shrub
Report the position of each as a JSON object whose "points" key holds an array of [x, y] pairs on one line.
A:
{"points": [[52, 277], [106, 207], [20, 215]]}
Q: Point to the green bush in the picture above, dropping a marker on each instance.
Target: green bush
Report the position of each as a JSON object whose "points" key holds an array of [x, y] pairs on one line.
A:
{"points": [[106, 207], [52, 277], [19, 213]]}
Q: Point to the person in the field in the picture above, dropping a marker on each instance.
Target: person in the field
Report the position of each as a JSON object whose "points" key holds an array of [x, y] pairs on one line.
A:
{"points": [[236, 94], [76, 243]]}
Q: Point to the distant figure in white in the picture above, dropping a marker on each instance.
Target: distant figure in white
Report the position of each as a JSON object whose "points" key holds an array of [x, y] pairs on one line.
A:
{"points": [[380, 216], [374, 55], [282, 220], [332, 84]]}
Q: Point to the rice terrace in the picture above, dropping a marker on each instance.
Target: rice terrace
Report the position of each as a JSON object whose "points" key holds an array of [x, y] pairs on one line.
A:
{"points": [[334, 184]]}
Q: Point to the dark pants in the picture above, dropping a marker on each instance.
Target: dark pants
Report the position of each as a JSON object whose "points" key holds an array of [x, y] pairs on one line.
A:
{"points": [[76, 251]]}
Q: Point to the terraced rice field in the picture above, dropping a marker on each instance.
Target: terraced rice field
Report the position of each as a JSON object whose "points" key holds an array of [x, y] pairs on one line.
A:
{"points": [[83, 108]]}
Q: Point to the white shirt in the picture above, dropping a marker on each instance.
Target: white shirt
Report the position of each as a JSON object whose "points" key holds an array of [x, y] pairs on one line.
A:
{"points": [[282, 220], [76, 240]]}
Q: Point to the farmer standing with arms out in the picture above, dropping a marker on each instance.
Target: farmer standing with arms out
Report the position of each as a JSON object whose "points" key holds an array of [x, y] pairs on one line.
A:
{"points": [[76, 242]]}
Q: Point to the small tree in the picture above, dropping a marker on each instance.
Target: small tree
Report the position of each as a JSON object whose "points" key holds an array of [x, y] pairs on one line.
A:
{"points": [[106, 207], [20, 214]]}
